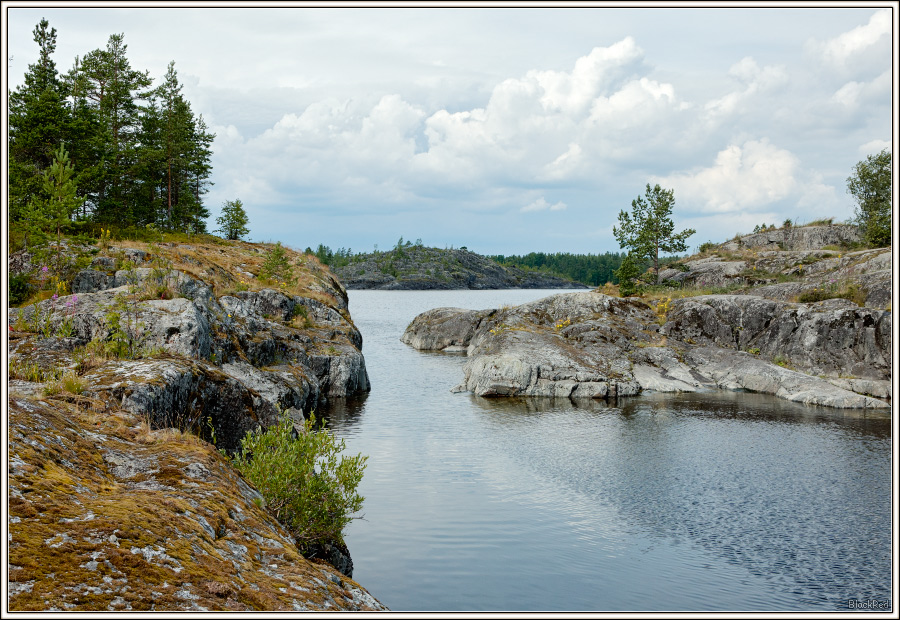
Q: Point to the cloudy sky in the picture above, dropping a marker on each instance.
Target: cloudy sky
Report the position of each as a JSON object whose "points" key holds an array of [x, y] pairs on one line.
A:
{"points": [[509, 130]]}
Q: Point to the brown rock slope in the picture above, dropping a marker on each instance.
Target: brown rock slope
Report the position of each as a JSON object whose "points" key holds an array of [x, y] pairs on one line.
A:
{"points": [[120, 393], [106, 514]]}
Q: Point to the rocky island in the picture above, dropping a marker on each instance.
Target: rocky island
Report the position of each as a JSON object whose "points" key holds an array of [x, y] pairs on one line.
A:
{"points": [[798, 314], [128, 387], [415, 267]]}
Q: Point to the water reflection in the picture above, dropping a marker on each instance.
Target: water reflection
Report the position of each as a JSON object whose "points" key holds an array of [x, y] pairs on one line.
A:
{"points": [[723, 404], [780, 489], [344, 414]]}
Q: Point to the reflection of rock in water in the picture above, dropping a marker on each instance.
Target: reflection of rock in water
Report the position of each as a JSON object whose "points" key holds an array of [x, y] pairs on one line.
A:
{"points": [[344, 413], [524, 406]]}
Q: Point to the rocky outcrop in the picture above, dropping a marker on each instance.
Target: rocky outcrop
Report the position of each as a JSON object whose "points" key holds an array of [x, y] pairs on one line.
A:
{"points": [[799, 238], [105, 514], [419, 268], [861, 275], [831, 338], [237, 358], [184, 337], [589, 345]]}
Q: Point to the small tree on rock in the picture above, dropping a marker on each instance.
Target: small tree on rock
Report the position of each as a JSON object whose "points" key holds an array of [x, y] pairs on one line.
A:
{"points": [[233, 221], [649, 229]]}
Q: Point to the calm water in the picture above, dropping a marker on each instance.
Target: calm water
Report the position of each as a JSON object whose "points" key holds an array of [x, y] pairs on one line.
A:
{"points": [[720, 501]]}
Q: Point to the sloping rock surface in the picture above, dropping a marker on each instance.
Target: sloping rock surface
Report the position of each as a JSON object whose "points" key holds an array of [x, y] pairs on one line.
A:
{"points": [[798, 238], [816, 262], [229, 363], [107, 515], [146, 345]]}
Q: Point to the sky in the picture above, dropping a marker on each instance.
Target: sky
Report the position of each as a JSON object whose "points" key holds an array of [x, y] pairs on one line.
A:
{"points": [[509, 130]]}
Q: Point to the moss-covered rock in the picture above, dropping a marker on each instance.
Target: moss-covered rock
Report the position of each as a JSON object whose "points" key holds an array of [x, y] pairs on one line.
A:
{"points": [[106, 514]]}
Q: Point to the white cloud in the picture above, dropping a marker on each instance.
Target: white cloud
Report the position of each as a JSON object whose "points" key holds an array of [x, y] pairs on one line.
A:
{"points": [[598, 72], [755, 80], [853, 94], [844, 48], [744, 177], [874, 146], [542, 205]]}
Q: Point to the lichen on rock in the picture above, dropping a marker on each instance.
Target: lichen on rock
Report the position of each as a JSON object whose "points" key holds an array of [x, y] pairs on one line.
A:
{"points": [[118, 498], [590, 345], [106, 514]]}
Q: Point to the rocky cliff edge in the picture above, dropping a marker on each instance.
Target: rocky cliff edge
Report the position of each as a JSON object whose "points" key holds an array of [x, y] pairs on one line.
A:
{"points": [[119, 387]]}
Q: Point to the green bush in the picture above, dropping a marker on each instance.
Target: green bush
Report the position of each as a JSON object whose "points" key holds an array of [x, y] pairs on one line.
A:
{"points": [[276, 267], [304, 484], [19, 289]]}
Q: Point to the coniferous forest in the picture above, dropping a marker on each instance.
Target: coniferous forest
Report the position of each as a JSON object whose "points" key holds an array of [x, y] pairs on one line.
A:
{"points": [[102, 143]]}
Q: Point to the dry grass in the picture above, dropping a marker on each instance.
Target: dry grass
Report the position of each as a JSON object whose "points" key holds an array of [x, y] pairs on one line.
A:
{"points": [[223, 265]]}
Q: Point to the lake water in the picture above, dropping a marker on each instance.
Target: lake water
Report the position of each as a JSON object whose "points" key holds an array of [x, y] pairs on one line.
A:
{"points": [[716, 502]]}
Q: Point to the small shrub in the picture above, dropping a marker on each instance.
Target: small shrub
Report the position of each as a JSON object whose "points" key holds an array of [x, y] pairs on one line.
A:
{"points": [[69, 383], [276, 267], [19, 289], [304, 484], [782, 361], [662, 309], [301, 315], [90, 356]]}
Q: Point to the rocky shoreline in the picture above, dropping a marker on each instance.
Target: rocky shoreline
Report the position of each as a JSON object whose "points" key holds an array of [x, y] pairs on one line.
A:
{"points": [[120, 498], [832, 352], [415, 268]]}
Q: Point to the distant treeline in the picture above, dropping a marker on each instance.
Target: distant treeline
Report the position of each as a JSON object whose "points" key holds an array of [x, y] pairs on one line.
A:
{"points": [[332, 258], [590, 269]]}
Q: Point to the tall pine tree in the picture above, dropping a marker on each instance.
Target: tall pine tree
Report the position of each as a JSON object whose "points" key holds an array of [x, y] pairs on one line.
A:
{"points": [[175, 158], [114, 90], [39, 121]]}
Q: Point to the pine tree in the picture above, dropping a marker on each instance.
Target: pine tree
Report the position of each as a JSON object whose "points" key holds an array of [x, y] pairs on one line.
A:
{"points": [[113, 89], [60, 187], [649, 229], [38, 121], [174, 159]]}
